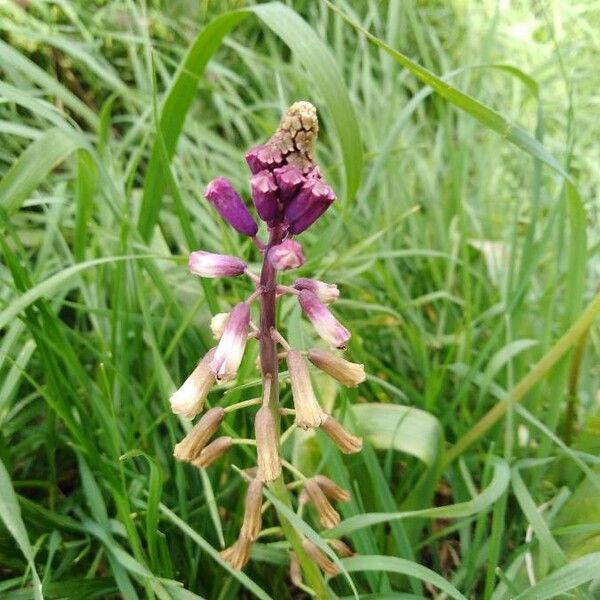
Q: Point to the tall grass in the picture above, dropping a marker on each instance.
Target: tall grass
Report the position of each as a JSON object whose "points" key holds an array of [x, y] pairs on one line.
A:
{"points": [[466, 250]]}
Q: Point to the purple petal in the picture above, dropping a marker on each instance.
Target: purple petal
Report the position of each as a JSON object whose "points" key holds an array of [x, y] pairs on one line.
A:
{"points": [[311, 202], [264, 194], [287, 255], [231, 207], [325, 324]]}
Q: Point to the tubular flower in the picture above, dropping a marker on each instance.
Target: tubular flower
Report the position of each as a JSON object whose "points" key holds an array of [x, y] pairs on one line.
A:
{"points": [[230, 206], [252, 523], [346, 372], [331, 489], [189, 399], [238, 554], [192, 444], [214, 450], [207, 264], [328, 516], [343, 439], [289, 195], [230, 351], [326, 325], [267, 446], [287, 255], [325, 292], [320, 557], [308, 412], [265, 194]]}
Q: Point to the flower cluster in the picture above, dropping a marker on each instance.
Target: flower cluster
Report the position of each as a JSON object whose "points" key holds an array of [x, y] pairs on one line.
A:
{"points": [[289, 195]]}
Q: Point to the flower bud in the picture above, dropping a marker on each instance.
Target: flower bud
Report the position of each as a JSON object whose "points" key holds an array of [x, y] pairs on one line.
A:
{"points": [[230, 351], [328, 516], [325, 292], [231, 207], [267, 446], [252, 522], [189, 399], [344, 440], [308, 412], [265, 195], [214, 450], [346, 372], [326, 325], [319, 557], [341, 548], [308, 205], [238, 554], [217, 324], [192, 444], [287, 255], [266, 156], [331, 489], [208, 264], [289, 180]]}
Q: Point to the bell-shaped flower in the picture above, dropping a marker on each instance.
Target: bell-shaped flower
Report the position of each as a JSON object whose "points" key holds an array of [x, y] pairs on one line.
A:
{"points": [[221, 194], [266, 156], [343, 439], [308, 205], [308, 411], [230, 351], [325, 292], [265, 195], [287, 255], [326, 325], [289, 180], [346, 372], [189, 399], [209, 264]]}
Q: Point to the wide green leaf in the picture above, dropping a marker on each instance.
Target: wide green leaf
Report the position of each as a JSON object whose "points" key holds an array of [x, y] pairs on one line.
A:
{"points": [[403, 428], [402, 566]]}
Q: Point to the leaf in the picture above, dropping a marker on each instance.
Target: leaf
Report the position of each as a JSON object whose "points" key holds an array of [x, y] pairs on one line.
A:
{"points": [[313, 54], [477, 504], [402, 566], [33, 166], [10, 513], [566, 578], [54, 283], [403, 428]]}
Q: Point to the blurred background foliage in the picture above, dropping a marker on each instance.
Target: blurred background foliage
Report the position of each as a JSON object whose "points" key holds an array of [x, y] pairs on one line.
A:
{"points": [[458, 261]]}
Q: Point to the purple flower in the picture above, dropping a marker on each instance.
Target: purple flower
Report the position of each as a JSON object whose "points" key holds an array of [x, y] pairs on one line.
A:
{"points": [[287, 255], [309, 204], [207, 264], [289, 179], [231, 207], [326, 325], [266, 156], [264, 194], [230, 351], [325, 292]]}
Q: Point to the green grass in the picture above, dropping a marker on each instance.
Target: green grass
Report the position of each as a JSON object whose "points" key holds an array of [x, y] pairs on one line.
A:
{"points": [[465, 242]]}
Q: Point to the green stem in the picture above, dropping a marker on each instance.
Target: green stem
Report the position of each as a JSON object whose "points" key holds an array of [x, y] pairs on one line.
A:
{"points": [[569, 339]]}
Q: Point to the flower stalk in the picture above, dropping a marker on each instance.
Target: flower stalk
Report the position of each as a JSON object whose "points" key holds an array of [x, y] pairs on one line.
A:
{"points": [[289, 195]]}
